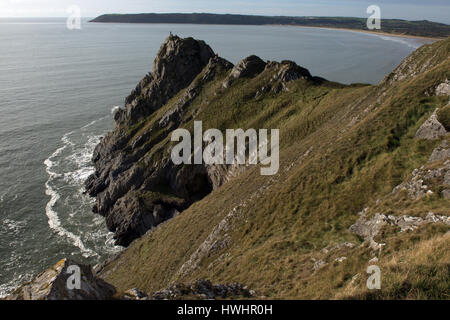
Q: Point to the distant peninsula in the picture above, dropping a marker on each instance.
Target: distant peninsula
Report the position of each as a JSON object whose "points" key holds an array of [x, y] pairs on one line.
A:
{"points": [[422, 28]]}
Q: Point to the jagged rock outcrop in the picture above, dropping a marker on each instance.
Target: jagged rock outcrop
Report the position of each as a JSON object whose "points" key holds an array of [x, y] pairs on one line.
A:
{"points": [[442, 152], [289, 71], [421, 183], [52, 284], [199, 290], [172, 117], [136, 184], [432, 129], [369, 228], [134, 191], [285, 71], [177, 63], [202, 289], [246, 68], [430, 176]]}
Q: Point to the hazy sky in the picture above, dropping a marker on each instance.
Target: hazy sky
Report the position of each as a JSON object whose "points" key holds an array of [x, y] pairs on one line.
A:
{"points": [[435, 10]]}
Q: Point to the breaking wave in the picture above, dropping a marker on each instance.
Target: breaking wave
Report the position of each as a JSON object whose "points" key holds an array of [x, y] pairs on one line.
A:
{"points": [[408, 42], [53, 219], [69, 210]]}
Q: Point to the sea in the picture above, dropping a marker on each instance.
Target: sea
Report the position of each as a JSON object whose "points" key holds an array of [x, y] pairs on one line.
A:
{"points": [[59, 88]]}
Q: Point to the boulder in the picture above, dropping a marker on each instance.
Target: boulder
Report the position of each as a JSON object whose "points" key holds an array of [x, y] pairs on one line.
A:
{"points": [[134, 294], [443, 89], [53, 284], [442, 152], [432, 129]]}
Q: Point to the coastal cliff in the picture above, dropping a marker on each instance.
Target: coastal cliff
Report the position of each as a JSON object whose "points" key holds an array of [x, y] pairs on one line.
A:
{"points": [[134, 191], [136, 184], [364, 180]]}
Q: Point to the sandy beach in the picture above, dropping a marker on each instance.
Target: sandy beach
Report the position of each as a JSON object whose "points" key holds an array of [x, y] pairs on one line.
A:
{"points": [[380, 33]]}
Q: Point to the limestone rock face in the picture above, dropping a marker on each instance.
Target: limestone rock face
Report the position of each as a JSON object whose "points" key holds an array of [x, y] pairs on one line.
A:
{"points": [[248, 67], [290, 71], [286, 71], [198, 290], [202, 289], [443, 89], [136, 185], [432, 129], [172, 117], [177, 63], [135, 192], [423, 180], [134, 294], [52, 285], [369, 228], [442, 152]]}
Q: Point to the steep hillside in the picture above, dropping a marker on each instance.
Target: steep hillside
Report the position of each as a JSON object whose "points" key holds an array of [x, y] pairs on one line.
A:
{"points": [[358, 182]]}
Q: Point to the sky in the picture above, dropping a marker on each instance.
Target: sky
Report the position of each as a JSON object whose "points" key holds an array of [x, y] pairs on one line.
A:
{"points": [[434, 10]]}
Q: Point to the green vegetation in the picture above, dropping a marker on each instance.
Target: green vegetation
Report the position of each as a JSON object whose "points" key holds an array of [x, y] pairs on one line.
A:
{"points": [[444, 117], [394, 26], [343, 148]]}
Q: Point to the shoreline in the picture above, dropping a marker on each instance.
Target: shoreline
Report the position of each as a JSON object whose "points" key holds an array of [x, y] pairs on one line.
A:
{"points": [[395, 35], [381, 33]]}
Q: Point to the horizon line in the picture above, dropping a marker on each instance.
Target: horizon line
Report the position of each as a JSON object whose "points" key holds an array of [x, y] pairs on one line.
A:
{"points": [[210, 13]]}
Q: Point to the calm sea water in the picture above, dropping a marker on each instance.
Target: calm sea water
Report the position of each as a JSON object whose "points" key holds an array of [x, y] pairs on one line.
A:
{"points": [[57, 92]]}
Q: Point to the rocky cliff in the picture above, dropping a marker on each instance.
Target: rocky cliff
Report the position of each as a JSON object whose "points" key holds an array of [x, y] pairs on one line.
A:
{"points": [[136, 184], [134, 192], [364, 179]]}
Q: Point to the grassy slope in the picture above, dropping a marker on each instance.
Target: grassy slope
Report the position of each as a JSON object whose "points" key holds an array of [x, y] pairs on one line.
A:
{"points": [[342, 149]]}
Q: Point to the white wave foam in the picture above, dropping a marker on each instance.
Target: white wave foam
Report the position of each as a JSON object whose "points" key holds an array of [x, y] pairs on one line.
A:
{"points": [[90, 124], [14, 226], [81, 160], [408, 42], [55, 223], [74, 169], [114, 109], [80, 175], [53, 219], [10, 286]]}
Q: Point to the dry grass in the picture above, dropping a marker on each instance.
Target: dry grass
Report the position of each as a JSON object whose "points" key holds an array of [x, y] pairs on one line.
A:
{"points": [[342, 149]]}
